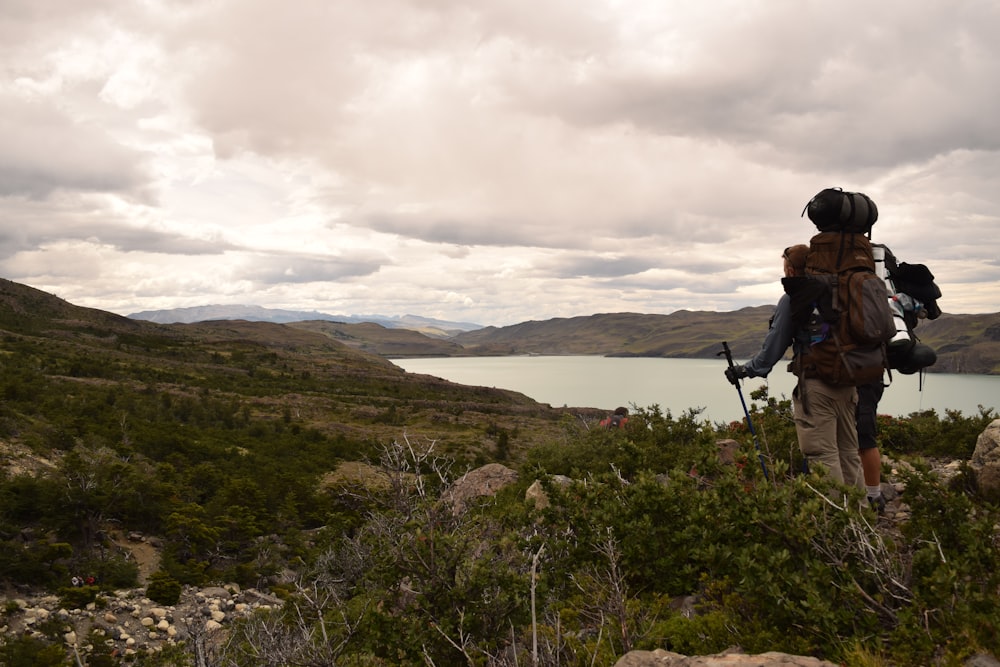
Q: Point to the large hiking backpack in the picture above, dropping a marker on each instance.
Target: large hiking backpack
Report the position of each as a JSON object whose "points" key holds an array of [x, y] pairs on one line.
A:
{"points": [[843, 305]]}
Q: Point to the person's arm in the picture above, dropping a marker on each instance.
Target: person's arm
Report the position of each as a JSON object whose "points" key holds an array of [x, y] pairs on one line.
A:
{"points": [[776, 343]]}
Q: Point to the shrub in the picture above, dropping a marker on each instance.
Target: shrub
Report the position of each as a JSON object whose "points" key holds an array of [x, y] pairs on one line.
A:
{"points": [[29, 651], [77, 597], [163, 589]]}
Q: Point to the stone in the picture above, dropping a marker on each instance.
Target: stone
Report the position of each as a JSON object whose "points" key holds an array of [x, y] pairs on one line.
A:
{"points": [[986, 460], [987, 447], [536, 496], [727, 451], [216, 592], [662, 658], [484, 481]]}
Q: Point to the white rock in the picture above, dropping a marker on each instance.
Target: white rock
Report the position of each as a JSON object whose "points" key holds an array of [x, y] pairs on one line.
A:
{"points": [[218, 616], [147, 622], [163, 624], [211, 625], [70, 638]]}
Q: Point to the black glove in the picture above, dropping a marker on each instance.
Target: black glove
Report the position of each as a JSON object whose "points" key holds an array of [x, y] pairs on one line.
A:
{"points": [[734, 373]]}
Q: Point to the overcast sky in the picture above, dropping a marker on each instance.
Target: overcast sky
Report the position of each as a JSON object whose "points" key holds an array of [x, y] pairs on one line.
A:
{"points": [[487, 161]]}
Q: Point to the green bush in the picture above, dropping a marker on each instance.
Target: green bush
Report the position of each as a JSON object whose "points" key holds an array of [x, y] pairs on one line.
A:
{"points": [[28, 651], [77, 597], [163, 588], [926, 434]]}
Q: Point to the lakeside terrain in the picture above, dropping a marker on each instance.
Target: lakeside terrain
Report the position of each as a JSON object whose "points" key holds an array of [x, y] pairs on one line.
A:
{"points": [[325, 376], [244, 493], [965, 343]]}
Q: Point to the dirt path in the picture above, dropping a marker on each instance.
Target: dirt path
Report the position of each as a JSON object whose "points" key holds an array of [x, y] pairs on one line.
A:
{"points": [[146, 556]]}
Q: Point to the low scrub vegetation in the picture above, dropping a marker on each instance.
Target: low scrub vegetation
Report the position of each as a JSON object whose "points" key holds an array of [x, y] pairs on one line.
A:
{"points": [[222, 442], [653, 542]]}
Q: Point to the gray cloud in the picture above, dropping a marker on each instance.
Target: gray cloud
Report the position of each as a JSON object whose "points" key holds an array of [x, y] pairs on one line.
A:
{"points": [[494, 162], [278, 269], [45, 151]]}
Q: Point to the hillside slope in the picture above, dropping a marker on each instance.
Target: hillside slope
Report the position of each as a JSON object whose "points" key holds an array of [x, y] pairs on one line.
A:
{"points": [[310, 375], [964, 343]]}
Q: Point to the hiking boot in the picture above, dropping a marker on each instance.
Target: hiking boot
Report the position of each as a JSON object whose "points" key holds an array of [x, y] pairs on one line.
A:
{"points": [[878, 504]]}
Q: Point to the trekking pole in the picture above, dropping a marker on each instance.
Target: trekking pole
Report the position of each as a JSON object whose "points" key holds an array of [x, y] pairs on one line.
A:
{"points": [[756, 444]]}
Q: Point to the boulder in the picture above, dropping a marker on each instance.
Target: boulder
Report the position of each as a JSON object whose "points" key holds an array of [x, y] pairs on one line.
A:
{"points": [[728, 449], [662, 658], [484, 481], [536, 496], [986, 459]]}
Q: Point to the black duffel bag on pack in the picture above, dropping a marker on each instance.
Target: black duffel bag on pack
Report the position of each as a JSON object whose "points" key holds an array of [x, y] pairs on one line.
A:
{"points": [[833, 210]]}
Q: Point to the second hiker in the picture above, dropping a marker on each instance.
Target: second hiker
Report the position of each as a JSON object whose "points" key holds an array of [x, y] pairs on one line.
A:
{"points": [[826, 432]]}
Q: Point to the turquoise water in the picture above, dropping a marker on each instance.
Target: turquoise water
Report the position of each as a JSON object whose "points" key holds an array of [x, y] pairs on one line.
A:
{"points": [[679, 384]]}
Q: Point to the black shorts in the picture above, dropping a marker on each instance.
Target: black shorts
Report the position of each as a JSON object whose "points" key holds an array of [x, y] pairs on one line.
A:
{"points": [[867, 414]]}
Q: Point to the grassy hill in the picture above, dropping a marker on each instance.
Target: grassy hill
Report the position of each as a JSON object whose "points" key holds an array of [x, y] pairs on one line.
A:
{"points": [[680, 334], [316, 376], [964, 343], [377, 339]]}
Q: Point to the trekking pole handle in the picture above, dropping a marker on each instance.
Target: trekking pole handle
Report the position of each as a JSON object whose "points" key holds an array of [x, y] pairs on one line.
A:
{"points": [[726, 351]]}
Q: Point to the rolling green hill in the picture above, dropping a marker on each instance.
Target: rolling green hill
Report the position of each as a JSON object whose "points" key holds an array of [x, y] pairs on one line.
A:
{"points": [[964, 343], [313, 376]]}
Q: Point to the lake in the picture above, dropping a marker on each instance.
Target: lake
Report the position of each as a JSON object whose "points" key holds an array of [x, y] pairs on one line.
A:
{"points": [[679, 384]]}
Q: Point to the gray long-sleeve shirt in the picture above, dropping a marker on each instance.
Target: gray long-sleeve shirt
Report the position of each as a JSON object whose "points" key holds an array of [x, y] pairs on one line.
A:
{"points": [[777, 341]]}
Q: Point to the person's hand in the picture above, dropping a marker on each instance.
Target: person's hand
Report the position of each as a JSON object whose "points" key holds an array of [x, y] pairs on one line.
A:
{"points": [[734, 373]]}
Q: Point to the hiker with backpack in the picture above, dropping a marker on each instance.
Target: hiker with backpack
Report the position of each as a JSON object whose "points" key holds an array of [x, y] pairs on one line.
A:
{"points": [[826, 431], [913, 296], [617, 419], [840, 321]]}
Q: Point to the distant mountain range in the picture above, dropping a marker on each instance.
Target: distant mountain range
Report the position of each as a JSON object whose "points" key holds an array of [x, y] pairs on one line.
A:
{"points": [[425, 325], [964, 343]]}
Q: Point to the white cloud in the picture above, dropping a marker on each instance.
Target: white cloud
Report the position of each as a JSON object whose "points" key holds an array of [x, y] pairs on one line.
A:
{"points": [[494, 162]]}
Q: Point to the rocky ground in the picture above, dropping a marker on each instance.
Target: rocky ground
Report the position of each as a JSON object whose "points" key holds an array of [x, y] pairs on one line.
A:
{"points": [[128, 622]]}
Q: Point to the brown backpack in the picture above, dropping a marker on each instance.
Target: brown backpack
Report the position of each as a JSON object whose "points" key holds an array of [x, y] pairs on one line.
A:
{"points": [[844, 306]]}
